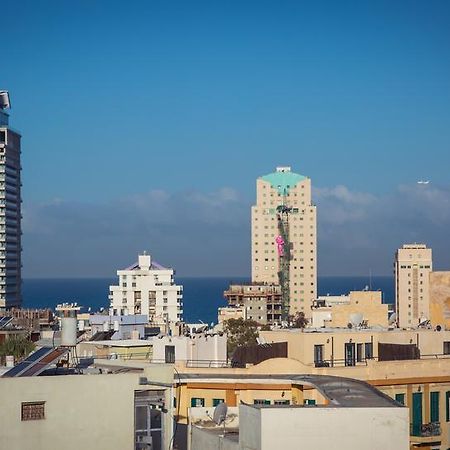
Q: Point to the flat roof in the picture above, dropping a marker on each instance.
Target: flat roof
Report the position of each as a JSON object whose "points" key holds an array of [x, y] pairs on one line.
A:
{"points": [[122, 343]]}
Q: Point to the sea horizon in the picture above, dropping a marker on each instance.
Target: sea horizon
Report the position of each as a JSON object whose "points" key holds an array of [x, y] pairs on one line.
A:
{"points": [[201, 295]]}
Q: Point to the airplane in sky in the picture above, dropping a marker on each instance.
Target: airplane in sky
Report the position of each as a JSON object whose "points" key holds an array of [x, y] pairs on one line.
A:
{"points": [[423, 182]]}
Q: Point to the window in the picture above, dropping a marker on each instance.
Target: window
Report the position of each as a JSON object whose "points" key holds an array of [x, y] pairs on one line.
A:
{"points": [[349, 354], [400, 398], [197, 401], [318, 355], [309, 402], [447, 406], [434, 406], [368, 347], [447, 348], [261, 402], [359, 352], [281, 402], [217, 401], [170, 354], [33, 411]]}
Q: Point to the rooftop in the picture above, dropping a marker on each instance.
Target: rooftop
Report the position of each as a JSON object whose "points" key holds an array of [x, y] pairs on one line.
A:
{"points": [[283, 179], [340, 391]]}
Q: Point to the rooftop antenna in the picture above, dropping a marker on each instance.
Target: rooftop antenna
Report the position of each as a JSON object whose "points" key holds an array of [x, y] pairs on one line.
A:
{"points": [[5, 102]]}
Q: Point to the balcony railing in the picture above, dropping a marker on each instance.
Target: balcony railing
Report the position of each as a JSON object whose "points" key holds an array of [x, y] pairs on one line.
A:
{"points": [[426, 429]]}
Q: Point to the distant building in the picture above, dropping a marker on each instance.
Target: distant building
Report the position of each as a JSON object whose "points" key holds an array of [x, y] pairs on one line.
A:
{"points": [[147, 288], [413, 264], [440, 299], [230, 312], [10, 211], [358, 309], [261, 302], [293, 233], [124, 327]]}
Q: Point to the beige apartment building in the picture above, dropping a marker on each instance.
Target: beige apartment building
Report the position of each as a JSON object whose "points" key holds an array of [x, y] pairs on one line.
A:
{"points": [[413, 264], [284, 188]]}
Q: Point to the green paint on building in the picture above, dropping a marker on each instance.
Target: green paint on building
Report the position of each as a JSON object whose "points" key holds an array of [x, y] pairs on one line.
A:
{"points": [[283, 180]]}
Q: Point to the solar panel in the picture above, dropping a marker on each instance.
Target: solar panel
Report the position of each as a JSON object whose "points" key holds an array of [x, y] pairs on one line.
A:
{"points": [[30, 361], [5, 321], [44, 362]]}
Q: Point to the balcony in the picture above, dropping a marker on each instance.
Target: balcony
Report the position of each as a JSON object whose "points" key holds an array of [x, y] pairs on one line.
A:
{"points": [[426, 430], [425, 435]]}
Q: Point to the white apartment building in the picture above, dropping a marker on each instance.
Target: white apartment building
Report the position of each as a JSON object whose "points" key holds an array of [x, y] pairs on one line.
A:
{"points": [[147, 288], [286, 188], [10, 211], [413, 264]]}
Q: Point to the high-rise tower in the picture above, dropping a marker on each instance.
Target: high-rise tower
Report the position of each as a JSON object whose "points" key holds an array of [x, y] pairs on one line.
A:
{"points": [[284, 237], [10, 211], [413, 264]]}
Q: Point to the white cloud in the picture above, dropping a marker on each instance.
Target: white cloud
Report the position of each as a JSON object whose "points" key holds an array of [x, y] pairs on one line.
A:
{"points": [[208, 233]]}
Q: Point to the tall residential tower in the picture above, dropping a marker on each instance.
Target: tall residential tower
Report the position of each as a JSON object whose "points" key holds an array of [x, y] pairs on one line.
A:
{"points": [[413, 264], [10, 211], [284, 237]]}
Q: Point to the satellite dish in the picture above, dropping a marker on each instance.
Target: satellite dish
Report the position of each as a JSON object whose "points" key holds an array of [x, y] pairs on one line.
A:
{"points": [[220, 413], [356, 319], [393, 318]]}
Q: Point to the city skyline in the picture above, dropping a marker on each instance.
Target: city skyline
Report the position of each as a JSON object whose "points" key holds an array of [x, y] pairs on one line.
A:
{"points": [[138, 135]]}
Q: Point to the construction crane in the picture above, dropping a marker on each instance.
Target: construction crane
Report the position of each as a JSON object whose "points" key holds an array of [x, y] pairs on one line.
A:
{"points": [[284, 257]]}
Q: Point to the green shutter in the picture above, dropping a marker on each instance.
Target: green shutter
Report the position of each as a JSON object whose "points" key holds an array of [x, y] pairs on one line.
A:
{"points": [[400, 398], [447, 406], [434, 406], [216, 401], [417, 414], [195, 401]]}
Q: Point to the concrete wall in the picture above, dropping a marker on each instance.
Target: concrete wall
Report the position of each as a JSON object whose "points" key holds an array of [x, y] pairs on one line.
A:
{"points": [[304, 428], [81, 411], [193, 348]]}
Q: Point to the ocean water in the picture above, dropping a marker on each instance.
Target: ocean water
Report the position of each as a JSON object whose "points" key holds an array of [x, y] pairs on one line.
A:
{"points": [[201, 296]]}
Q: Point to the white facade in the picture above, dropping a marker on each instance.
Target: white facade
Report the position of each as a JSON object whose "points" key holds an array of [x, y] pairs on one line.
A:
{"points": [[147, 288], [413, 265], [350, 428], [199, 350]]}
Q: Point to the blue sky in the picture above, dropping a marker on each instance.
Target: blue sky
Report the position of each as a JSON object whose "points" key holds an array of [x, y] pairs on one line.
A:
{"points": [[141, 121]]}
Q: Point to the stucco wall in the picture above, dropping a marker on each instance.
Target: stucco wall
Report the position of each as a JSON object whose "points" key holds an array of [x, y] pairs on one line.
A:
{"points": [[304, 428], [81, 412]]}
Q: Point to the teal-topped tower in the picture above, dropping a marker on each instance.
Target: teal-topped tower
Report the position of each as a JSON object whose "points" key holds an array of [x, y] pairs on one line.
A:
{"points": [[284, 239]]}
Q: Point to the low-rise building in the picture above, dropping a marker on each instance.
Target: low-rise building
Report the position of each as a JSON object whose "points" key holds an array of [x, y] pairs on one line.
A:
{"points": [[121, 409], [377, 422], [231, 312], [124, 327], [357, 309]]}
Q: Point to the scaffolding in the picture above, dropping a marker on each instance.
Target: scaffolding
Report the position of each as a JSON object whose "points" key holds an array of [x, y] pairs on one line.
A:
{"points": [[284, 257]]}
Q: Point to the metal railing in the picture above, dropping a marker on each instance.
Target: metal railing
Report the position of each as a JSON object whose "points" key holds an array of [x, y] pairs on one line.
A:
{"points": [[426, 429]]}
